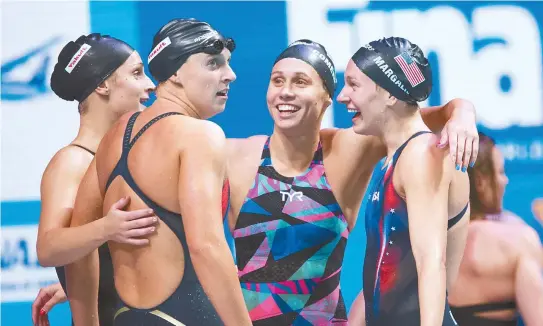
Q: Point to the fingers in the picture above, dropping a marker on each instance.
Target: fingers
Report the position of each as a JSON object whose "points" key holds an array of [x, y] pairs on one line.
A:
{"points": [[460, 149], [57, 298], [120, 204], [137, 242], [60, 296], [141, 222], [135, 233], [46, 299], [34, 311], [138, 214], [37, 305], [467, 153], [463, 145], [43, 320], [474, 151], [453, 141]]}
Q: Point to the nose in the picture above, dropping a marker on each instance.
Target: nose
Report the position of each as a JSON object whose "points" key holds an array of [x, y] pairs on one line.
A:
{"points": [[149, 85], [286, 92], [230, 75], [341, 97]]}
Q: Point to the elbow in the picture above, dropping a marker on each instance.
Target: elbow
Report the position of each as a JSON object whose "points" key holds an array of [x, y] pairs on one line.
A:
{"points": [[45, 259], [44, 254], [431, 263], [205, 247]]}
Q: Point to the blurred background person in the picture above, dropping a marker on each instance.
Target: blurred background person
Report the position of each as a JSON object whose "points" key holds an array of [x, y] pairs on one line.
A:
{"points": [[500, 277]]}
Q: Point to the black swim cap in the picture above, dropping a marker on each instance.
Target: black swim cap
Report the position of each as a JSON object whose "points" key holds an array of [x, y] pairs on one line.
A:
{"points": [[84, 64], [316, 56], [176, 41], [398, 66]]}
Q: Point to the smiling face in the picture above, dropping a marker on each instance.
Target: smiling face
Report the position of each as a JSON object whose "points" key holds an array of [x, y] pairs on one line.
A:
{"points": [[363, 98], [296, 95]]}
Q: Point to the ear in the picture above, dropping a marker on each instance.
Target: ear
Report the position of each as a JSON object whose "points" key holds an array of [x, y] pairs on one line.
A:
{"points": [[327, 102], [388, 98], [391, 100], [104, 88], [176, 78]]}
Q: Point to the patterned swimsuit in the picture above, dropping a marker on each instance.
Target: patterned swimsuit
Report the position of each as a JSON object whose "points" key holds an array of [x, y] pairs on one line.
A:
{"points": [[290, 237]]}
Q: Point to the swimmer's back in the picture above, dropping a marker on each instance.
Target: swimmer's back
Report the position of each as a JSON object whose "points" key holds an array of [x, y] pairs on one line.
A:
{"points": [[485, 290], [489, 261], [146, 276]]}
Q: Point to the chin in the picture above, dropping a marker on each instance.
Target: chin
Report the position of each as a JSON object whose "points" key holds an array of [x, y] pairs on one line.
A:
{"points": [[286, 125], [361, 129], [220, 108]]}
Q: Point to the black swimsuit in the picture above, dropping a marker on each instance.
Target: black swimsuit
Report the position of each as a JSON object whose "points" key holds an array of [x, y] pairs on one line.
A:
{"points": [[465, 316], [188, 305]]}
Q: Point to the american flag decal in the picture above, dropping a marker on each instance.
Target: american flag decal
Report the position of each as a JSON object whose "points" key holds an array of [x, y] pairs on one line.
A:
{"points": [[409, 68]]}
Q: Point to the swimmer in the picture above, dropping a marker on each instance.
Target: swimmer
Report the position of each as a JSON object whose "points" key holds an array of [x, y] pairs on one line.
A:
{"points": [[168, 159], [106, 77], [295, 195], [418, 207], [500, 274], [488, 183]]}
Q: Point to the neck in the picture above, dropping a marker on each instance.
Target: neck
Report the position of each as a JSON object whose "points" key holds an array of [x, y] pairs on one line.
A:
{"points": [[293, 153], [477, 216], [398, 129], [93, 125], [170, 95]]}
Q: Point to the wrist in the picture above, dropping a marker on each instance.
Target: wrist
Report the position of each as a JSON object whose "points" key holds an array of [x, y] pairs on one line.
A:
{"points": [[103, 230], [461, 106]]}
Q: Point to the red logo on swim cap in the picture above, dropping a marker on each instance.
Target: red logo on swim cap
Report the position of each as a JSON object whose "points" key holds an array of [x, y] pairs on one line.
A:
{"points": [[158, 48], [77, 57]]}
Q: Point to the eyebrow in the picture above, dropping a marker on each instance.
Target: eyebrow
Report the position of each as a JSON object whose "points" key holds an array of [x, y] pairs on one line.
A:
{"points": [[219, 57], [296, 74], [351, 79], [137, 65]]}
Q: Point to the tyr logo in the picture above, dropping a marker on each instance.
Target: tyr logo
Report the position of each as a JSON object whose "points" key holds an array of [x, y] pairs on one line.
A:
{"points": [[291, 196]]}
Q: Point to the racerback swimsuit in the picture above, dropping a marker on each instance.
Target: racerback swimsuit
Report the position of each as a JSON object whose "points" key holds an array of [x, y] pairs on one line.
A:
{"points": [[188, 305]]}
